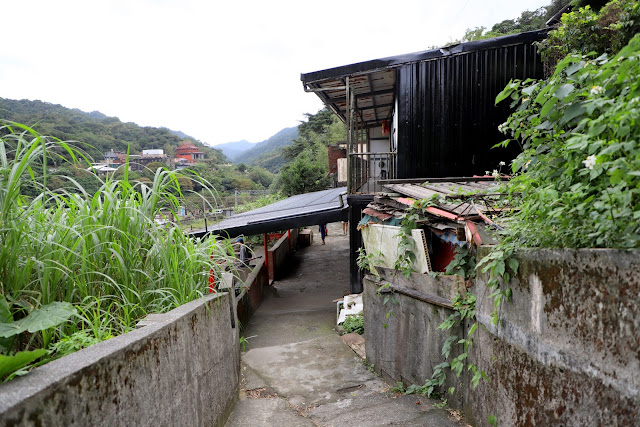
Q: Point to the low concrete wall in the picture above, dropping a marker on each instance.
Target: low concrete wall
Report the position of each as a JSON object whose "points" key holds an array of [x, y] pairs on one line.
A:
{"points": [[402, 339], [252, 293], [279, 253], [567, 349], [180, 369]]}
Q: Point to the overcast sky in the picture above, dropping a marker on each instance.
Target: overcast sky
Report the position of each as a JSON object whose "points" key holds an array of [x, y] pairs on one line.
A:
{"points": [[218, 71]]}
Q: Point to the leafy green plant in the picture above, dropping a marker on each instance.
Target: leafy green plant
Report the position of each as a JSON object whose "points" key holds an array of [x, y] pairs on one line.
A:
{"points": [[463, 263], [74, 342], [367, 261], [579, 173], [584, 30], [48, 316], [101, 252], [354, 323]]}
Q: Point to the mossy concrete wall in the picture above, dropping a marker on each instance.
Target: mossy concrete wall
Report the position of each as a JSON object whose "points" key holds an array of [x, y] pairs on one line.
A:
{"points": [[279, 253], [402, 340], [252, 293], [566, 350], [182, 368], [567, 347]]}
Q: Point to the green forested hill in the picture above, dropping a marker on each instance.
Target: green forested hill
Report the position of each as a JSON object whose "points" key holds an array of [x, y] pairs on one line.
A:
{"points": [[95, 132], [268, 154]]}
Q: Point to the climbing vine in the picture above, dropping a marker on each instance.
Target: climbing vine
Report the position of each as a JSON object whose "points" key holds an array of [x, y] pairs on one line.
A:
{"points": [[500, 266]]}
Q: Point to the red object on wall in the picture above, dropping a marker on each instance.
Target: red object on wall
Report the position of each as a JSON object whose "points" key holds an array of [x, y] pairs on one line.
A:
{"points": [[386, 129]]}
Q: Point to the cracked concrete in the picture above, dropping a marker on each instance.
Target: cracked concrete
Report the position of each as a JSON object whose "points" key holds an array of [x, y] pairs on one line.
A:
{"points": [[298, 372]]}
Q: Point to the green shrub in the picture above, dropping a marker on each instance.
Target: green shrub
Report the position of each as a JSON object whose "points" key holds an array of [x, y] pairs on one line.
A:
{"points": [[354, 323], [584, 31], [100, 251], [579, 173]]}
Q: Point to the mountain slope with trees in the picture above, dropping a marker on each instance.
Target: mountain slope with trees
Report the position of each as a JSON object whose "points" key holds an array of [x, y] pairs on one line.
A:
{"points": [[267, 154], [95, 132], [307, 165]]}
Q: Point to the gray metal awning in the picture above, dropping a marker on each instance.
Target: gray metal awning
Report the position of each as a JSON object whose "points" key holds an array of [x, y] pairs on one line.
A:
{"points": [[319, 207]]}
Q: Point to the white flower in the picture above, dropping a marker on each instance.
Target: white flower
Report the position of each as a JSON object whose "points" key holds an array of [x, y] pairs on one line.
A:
{"points": [[524, 100], [495, 173], [590, 162], [487, 173], [501, 164], [526, 165], [597, 90], [502, 128]]}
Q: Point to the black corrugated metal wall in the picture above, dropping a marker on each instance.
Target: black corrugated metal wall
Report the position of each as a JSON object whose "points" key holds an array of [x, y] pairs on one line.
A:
{"points": [[446, 115]]}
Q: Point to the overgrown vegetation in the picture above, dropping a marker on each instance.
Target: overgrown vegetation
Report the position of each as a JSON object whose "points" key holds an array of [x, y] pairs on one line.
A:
{"points": [[354, 323], [584, 30], [579, 172], [528, 20], [577, 181], [308, 164], [86, 265]]}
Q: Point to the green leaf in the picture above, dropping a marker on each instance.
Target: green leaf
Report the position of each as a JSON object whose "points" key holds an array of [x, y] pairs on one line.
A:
{"points": [[506, 92], [492, 420], [571, 69], [546, 108], [529, 90], [562, 91], [5, 313], [10, 364], [472, 330], [46, 317], [574, 110], [513, 265]]}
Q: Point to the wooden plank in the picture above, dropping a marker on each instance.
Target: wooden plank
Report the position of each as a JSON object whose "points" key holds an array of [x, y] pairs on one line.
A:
{"points": [[431, 299], [452, 179]]}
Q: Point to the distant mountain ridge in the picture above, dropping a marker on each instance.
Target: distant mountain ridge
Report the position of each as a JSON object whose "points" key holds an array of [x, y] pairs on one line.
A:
{"points": [[268, 153], [95, 132], [234, 149]]}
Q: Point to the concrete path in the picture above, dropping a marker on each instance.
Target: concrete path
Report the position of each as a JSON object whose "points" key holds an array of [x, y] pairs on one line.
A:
{"points": [[297, 371]]}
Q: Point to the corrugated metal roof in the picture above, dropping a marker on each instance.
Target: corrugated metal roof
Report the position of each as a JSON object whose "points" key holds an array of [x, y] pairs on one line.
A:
{"points": [[374, 82], [301, 210]]}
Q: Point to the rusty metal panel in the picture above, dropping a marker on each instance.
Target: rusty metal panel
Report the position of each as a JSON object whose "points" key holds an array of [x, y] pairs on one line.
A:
{"points": [[447, 118]]}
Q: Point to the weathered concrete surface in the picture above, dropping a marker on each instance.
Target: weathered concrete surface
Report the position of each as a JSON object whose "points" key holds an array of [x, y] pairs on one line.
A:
{"points": [[566, 352], [280, 252], [567, 349], [402, 338], [252, 292], [181, 369], [295, 357]]}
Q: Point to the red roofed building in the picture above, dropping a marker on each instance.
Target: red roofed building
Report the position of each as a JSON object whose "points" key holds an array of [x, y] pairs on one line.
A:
{"points": [[189, 152]]}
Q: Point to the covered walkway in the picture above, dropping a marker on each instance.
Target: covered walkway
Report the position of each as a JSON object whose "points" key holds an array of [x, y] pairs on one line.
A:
{"points": [[297, 371]]}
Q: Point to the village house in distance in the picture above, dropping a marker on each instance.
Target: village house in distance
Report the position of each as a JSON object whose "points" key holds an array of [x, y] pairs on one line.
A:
{"points": [[186, 155]]}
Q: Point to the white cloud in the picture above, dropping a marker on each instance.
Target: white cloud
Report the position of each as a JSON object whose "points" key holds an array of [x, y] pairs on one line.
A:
{"points": [[218, 71]]}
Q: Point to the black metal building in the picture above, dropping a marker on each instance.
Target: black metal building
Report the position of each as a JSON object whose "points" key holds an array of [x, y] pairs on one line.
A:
{"points": [[426, 114], [440, 104]]}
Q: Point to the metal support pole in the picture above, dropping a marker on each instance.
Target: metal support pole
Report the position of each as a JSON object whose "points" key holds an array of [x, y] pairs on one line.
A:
{"points": [[348, 125], [266, 252]]}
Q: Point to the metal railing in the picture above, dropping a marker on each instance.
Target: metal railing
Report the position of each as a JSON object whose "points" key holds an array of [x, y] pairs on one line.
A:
{"points": [[366, 169]]}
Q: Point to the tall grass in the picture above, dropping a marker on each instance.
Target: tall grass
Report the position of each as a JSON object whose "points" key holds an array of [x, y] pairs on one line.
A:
{"points": [[102, 252]]}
